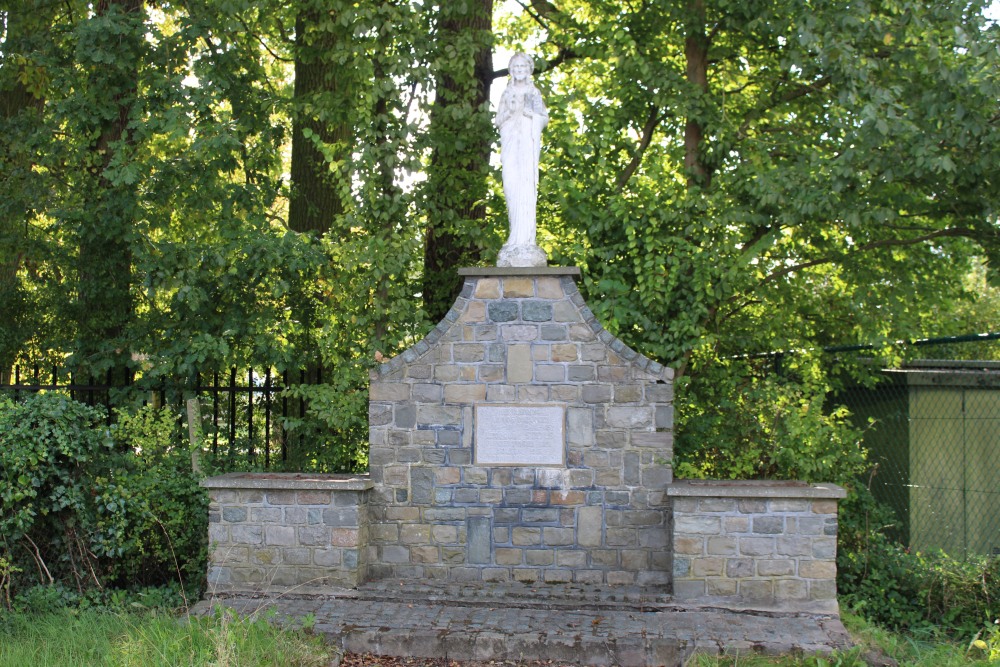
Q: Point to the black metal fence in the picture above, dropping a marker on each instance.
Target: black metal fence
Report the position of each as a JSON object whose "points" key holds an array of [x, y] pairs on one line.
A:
{"points": [[240, 414]]}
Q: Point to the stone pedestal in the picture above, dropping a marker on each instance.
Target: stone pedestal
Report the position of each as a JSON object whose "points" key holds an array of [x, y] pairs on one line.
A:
{"points": [[460, 499]]}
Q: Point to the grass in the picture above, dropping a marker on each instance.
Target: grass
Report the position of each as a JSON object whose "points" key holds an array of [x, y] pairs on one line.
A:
{"points": [[876, 646], [96, 637], [151, 639]]}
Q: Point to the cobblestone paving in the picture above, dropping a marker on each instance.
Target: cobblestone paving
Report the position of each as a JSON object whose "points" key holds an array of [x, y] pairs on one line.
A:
{"points": [[571, 625]]}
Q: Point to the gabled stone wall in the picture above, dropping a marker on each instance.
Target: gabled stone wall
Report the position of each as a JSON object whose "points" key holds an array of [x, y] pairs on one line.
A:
{"points": [[521, 337]]}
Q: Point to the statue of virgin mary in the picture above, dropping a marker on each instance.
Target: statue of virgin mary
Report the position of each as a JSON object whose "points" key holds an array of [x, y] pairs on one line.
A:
{"points": [[520, 119]]}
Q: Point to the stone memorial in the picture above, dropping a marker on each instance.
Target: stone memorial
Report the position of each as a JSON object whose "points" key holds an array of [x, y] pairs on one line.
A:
{"points": [[521, 442]]}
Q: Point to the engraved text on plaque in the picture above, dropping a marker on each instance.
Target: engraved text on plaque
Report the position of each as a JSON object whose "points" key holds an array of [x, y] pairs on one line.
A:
{"points": [[520, 435]]}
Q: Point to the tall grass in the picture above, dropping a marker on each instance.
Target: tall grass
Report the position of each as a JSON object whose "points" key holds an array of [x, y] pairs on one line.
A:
{"points": [[152, 639]]}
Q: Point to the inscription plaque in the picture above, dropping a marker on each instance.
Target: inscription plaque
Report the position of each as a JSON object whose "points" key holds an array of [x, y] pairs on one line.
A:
{"points": [[520, 435]]}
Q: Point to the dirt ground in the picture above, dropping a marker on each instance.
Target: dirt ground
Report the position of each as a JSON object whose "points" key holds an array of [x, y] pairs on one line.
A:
{"points": [[369, 660]]}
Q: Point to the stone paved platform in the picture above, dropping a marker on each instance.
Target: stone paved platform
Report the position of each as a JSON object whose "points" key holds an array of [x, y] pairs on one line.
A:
{"points": [[571, 625]]}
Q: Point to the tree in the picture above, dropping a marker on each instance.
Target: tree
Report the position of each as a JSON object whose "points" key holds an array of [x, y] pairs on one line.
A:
{"points": [[731, 176], [460, 136]]}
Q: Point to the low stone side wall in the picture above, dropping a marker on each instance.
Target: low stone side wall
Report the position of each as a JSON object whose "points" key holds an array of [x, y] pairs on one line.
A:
{"points": [[287, 529], [770, 544]]}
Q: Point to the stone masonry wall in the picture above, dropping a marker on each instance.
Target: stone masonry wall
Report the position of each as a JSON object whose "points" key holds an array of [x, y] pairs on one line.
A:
{"points": [[770, 543], [286, 529], [521, 337]]}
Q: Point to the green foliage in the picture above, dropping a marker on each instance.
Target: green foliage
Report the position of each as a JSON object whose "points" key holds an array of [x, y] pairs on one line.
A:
{"points": [[887, 584], [87, 506], [737, 419]]}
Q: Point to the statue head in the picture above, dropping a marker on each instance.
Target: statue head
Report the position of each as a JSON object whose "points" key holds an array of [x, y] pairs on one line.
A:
{"points": [[521, 59]]}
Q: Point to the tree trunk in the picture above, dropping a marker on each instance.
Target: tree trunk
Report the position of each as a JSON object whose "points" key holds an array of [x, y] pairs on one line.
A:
{"points": [[20, 115], [456, 179], [316, 190], [696, 54], [105, 305]]}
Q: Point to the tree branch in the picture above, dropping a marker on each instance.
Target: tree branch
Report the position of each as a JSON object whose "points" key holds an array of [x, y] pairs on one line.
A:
{"points": [[884, 243], [648, 130], [777, 100]]}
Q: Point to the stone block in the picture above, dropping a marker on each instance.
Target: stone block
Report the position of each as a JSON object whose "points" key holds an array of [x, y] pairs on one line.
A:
{"points": [[757, 546], [548, 287], [341, 517], [247, 534], [389, 391], [707, 567], [824, 507], [621, 537], [564, 311], [580, 427], [791, 589], [508, 556], [557, 537], [313, 535], [439, 415], [558, 576], [521, 536], [739, 568], [427, 393], [345, 537], [385, 532], [629, 417], [404, 416], [502, 311], [519, 365], [697, 525], [540, 557], [526, 575], [721, 546], [628, 393], [453, 555], [823, 589], [234, 514], [393, 553], [550, 373], [328, 557], [717, 505], [582, 333], [768, 525], [553, 332], [444, 534], [487, 288], [534, 310], [664, 417], [280, 498], [519, 333], [619, 578], [824, 548], [775, 567], [735, 524], [752, 506], [721, 587], [518, 288], [817, 569], [478, 531], [635, 559], [425, 554], [757, 589]]}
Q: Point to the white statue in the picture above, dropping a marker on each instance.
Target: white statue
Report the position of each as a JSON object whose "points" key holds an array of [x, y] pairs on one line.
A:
{"points": [[520, 119]]}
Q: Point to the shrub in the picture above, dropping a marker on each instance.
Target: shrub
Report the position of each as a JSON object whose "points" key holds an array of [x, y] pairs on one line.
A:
{"points": [[88, 506]]}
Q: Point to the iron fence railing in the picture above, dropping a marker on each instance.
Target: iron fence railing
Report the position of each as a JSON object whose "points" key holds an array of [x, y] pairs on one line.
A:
{"points": [[241, 413]]}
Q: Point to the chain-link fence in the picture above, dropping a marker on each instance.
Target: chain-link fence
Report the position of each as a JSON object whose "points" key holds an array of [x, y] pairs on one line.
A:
{"points": [[932, 428]]}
